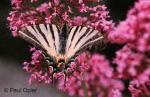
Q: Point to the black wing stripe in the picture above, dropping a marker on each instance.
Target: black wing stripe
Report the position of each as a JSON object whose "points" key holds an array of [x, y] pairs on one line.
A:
{"points": [[77, 36], [86, 32], [77, 28], [70, 37], [90, 31], [48, 33], [70, 50], [53, 37], [91, 42], [85, 39], [30, 40], [82, 39], [56, 35], [42, 36], [95, 40], [63, 38], [28, 34], [33, 29], [42, 33], [52, 32]]}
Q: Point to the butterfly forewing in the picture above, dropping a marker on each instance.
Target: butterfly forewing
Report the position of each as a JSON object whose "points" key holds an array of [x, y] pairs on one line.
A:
{"points": [[44, 36], [80, 38]]}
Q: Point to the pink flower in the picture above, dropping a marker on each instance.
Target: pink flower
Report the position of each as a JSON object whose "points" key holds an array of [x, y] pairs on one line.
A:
{"points": [[138, 89], [34, 1], [57, 12], [95, 79], [133, 61], [44, 7], [115, 93], [78, 20], [136, 28], [128, 64]]}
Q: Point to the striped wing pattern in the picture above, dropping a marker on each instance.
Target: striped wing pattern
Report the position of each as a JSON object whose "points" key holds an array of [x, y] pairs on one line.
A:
{"points": [[80, 38], [44, 36], [50, 38]]}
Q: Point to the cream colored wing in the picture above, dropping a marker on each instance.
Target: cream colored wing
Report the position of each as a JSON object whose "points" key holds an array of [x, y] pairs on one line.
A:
{"points": [[81, 38], [43, 36]]}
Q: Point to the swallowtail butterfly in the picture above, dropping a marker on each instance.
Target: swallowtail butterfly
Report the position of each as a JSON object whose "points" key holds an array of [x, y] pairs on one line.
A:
{"points": [[60, 44]]}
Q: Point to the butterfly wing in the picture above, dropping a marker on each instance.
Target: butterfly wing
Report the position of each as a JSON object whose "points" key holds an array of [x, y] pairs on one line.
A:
{"points": [[81, 38], [43, 36], [49, 38]]}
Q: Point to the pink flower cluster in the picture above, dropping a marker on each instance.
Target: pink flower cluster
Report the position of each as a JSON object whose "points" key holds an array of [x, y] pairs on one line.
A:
{"points": [[74, 13], [130, 63], [42, 72], [133, 60], [91, 75], [140, 87], [135, 30], [38, 73], [71, 12], [95, 80]]}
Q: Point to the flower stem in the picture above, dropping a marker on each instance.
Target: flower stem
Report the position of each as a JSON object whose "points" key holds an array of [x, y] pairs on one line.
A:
{"points": [[85, 89]]}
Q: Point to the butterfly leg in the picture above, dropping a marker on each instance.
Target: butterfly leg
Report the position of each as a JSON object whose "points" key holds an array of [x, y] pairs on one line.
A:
{"points": [[52, 78], [65, 78], [50, 63]]}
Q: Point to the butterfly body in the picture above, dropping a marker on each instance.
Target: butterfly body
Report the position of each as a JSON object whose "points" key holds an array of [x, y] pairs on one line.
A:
{"points": [[60, 44]]}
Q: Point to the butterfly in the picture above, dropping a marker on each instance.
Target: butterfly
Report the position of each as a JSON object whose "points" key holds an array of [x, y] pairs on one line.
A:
{"points": [[60, 44]]}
